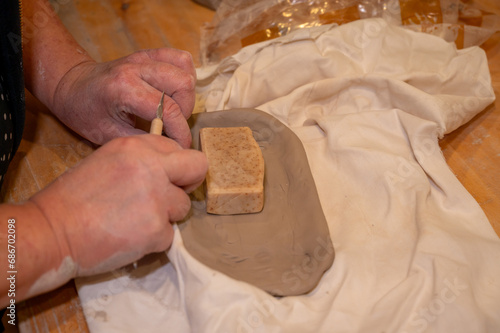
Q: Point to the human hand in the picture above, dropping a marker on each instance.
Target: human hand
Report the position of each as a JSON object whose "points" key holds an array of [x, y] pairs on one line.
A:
{"points": [[100, 101], [117, 205]]}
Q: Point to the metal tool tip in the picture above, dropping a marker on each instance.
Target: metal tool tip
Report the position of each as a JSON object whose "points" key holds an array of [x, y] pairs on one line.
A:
{"points": [[159, 110]]}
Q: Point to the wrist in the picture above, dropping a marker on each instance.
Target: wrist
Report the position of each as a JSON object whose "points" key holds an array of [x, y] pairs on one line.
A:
{"points": [[42, 260], [57, 264], [66, 83], [51, 227], [50, 236]]}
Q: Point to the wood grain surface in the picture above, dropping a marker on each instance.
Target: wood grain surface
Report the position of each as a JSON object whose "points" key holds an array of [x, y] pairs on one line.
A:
{"points": [[110, 29]]}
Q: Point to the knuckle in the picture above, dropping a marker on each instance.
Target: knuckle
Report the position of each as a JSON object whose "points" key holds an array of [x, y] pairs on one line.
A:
{"points": [[138, 57], [185, 58], [125, 143], [181, 209], [171, 110], [120, 77], [172, 145], [157, 228], [187, 82], [123, 73]]}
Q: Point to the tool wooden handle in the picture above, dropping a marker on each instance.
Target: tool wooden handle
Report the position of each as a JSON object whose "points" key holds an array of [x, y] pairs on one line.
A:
{"points": [[156, 126]]}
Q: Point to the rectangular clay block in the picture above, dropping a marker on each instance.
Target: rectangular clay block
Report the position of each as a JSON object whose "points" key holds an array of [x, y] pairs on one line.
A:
{"points": [[235, 177]]}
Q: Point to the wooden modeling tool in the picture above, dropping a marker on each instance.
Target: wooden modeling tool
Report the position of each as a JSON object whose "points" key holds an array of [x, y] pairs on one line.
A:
{"points": [[157, 123]]}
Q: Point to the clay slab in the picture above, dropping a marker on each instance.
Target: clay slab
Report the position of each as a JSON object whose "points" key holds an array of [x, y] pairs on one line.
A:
{"points": [[284, 249]]}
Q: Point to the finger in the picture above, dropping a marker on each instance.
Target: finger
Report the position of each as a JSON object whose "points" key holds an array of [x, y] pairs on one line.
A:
{"points": [[186, 168], [109, 128], [179, 58], [149, 147], [160, 144], [177, 203], [176, 83], [174, 123], [163, 239]]}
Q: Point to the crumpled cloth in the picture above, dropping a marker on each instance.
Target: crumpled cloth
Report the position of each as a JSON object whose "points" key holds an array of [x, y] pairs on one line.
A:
{"points": [[414, 251]]}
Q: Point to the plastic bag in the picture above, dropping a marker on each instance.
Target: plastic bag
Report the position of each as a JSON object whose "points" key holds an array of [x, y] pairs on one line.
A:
{"points": [[240, 23]]}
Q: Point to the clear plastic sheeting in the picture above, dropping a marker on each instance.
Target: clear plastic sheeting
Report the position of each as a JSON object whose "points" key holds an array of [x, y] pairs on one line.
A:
{"points": [[241, 23]]}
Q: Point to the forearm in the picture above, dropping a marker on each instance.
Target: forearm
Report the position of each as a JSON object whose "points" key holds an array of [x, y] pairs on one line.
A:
{"points": [[31, 256], [83, 224], [49, 50]]}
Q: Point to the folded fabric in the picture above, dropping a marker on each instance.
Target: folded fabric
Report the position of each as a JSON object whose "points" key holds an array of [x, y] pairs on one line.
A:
{"points": [[414, 251]]}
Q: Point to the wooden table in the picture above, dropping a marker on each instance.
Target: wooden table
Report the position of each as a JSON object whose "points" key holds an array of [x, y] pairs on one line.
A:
{"points": [[110, 29]]}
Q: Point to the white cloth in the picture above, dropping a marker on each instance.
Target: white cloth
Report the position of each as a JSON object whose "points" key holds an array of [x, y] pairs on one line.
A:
{"points": [[414, 251]]}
